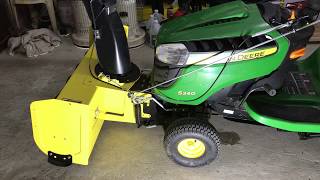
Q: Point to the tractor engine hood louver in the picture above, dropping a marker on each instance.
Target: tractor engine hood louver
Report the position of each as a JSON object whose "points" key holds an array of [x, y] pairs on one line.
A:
{"points": [[233, 19]]}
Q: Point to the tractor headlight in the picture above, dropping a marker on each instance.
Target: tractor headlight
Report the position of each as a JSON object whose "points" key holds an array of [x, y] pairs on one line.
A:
{"points": [[175, 54]]}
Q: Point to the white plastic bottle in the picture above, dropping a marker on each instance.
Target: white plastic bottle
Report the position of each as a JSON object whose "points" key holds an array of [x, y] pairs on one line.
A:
{"points": [[154, 30], [150, 21], [157, 15]]}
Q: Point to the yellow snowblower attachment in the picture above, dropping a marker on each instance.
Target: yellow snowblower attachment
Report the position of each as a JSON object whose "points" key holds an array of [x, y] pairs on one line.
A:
{"points": [[66, 128]]}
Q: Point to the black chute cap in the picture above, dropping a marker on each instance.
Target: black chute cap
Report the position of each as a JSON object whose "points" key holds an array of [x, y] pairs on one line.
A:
{"points": [[98, 5], [111, 43]]}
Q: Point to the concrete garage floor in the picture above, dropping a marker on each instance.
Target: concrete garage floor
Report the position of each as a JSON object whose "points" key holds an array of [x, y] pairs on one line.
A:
{"points": [[125, 152]]}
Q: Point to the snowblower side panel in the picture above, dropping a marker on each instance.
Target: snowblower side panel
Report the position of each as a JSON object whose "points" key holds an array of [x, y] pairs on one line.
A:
{"points": [[65, 128]]}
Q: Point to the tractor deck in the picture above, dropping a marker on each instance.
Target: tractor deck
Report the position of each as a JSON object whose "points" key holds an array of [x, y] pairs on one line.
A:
{"points": [[294, 112], [297, 107]]}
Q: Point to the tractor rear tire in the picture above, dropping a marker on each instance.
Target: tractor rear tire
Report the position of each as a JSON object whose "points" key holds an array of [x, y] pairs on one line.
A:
{"points": [[191, 142]]}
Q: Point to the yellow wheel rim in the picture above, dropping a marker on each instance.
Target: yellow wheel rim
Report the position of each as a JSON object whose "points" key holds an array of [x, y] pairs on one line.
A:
{"points": [[191, 148]]}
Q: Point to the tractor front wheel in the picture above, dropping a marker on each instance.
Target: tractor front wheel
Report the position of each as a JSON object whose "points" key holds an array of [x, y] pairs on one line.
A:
{"points": [[191, 142]]}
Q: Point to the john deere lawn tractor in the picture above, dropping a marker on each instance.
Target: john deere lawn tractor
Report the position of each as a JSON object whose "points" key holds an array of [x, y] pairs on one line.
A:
{"points": [[241, 61]]}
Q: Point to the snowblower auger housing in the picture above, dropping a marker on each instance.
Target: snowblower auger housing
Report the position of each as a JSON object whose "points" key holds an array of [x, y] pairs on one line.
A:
{"points": [[70, 124]]}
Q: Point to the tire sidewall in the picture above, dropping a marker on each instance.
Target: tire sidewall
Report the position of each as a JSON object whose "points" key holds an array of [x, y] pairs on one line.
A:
{"points": [[211, 149]]}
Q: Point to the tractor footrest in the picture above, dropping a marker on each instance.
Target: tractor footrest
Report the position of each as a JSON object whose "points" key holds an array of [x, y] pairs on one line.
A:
{"points": [[289, 112]]}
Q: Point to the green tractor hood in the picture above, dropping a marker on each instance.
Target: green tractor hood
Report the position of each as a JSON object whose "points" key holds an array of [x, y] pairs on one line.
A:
{"points": [[223, 22], [226, 20]]}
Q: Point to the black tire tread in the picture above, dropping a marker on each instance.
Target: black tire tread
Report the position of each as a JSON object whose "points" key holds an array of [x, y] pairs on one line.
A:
{"points": [[194, 126]]}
